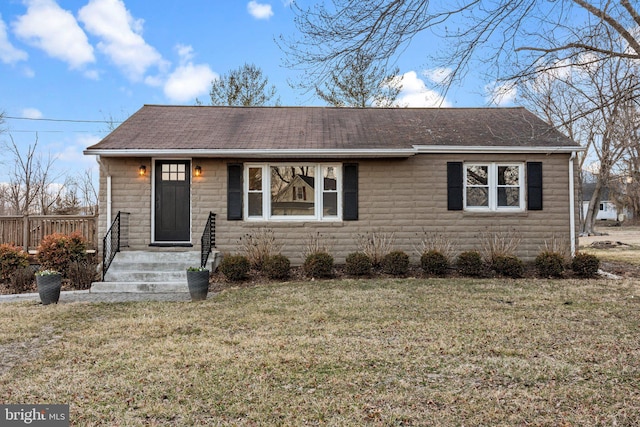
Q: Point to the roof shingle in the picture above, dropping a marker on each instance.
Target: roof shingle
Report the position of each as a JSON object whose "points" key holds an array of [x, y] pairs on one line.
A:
{"points": [[156, 127]]}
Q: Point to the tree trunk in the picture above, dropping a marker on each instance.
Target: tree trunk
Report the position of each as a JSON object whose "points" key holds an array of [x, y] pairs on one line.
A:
{"points": [[592, 210]]}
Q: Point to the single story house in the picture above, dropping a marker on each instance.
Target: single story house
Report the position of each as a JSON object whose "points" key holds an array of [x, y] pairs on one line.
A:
{"points": [[339, 173]]}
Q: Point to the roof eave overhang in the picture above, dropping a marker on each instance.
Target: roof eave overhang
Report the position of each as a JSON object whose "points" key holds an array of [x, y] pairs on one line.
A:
{"points": [[256, 154], [335, 153], [449, 149]]}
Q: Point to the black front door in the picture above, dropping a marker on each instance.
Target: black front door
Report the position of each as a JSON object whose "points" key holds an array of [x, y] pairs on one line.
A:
{"points": [[173, 204]]}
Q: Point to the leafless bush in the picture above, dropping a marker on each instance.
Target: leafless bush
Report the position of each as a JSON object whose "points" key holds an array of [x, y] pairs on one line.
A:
{"points": [[259, 245], [316, 243], [22, 280], [375, 245], [557, 244], [82, 273], [435, 242], [499, 243]]}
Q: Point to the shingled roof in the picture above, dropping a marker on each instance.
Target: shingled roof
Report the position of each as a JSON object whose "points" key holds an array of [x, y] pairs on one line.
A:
{"points": [[200, 130]]}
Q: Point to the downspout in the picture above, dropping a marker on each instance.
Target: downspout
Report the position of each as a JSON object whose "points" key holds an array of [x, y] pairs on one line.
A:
{"points": [[108, 201], [572, 205]]}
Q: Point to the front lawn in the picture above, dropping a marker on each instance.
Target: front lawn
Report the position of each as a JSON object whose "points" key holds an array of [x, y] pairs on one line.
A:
{"points": [[343, 352]]}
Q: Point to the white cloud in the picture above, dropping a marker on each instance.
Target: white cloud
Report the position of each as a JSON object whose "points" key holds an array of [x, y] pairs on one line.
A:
{"points": [[188, 80], [121, 37], [54, 30], [438, 75], [259, 10], [8, 53], [31, 113], [416, 94], [71, 154], [501, 94]]}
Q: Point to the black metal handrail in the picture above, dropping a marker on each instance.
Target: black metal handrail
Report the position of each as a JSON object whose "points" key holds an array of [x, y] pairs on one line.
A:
{"points": [[208, 239], [110, 245]]}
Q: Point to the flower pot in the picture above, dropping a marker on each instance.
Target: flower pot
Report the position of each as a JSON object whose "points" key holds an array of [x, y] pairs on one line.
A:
{"points": [[49, 288], [198, 283]]}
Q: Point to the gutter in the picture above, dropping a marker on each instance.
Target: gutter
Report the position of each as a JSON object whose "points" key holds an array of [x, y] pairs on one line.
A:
{"points": [[329, 153]]}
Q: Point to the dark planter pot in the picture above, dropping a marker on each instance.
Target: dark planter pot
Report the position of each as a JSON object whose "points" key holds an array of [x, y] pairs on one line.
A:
{"points": [[49, 288], [198, 282]]}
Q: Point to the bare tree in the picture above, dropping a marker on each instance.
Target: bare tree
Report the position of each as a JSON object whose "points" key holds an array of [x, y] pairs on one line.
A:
{"points": [[508, 39], [244, 87], [592, 102], [361, 84], [30, 179]]}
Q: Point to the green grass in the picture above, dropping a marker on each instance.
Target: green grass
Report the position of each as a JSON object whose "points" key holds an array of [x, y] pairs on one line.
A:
{"points": [[371, 352]]}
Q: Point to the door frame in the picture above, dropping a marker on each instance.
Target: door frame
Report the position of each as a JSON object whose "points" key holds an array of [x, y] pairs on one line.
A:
{"points": [[155, 242]]}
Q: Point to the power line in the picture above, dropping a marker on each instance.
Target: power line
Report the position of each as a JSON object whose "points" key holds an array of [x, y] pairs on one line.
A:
{"points": [[62, 120]]}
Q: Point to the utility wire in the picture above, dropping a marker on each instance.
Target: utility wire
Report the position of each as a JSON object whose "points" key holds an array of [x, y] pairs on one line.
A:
{"points": [[62, 120]]}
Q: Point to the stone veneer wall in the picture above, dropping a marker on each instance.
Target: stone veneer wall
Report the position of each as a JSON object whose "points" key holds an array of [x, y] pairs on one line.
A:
{"points": [[407, 197]]}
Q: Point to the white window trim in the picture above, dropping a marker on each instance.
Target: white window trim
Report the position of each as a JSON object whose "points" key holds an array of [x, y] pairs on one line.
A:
{"points": [[318, 193], [492, 169]]}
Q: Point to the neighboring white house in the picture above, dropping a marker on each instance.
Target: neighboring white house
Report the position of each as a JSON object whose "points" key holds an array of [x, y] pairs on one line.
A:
{"points": [[608, 210]]}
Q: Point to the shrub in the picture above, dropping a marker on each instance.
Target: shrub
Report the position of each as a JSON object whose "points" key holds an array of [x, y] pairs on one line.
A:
{"points": [[395, 263], [277, 267], [550, 264], [434, 262], [12, 258], [585, 265], [509, 266], [57, 251], [469, 263], [22, 280], [319, 264], [82, 273], [499, 243], [259, 246], [375, 245], [235, 267], [435, 242], [358, 264], [316, 243]]}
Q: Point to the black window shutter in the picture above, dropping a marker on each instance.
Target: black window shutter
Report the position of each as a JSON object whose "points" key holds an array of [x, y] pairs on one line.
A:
{"points": [[454, 186], [234, 191], [350, 191], [534, 186]]}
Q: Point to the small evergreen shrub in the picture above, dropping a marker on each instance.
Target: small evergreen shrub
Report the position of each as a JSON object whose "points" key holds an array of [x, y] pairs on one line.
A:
{"points": [[550, 264], [434, 262], [395, 263], [277, 267], [12, 258], [22, 280], [235, 267], [57, 251], [585, 265], [358, 264], [508, 266], [318, 265], [469, 263]]}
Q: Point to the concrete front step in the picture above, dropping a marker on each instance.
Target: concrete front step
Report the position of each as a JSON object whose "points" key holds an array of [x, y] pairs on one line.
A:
{"points": [[147, 271], [152, 287]]}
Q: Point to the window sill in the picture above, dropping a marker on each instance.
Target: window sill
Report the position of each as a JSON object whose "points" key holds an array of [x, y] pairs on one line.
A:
{"points": [[495, 213]]}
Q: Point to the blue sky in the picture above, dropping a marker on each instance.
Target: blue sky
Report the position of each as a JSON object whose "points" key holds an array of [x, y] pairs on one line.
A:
{"points": [[73, 63]]}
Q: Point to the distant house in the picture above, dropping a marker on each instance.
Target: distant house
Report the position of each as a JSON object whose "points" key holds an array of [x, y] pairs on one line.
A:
{"points": [[608, 209], [338, 172]]}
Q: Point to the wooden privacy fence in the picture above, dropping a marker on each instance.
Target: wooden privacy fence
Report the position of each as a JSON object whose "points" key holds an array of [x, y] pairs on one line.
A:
{"points": [[28, 231]]}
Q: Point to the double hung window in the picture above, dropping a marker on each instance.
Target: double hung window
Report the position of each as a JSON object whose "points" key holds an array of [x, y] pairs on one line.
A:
{"points": [[493, 186]]}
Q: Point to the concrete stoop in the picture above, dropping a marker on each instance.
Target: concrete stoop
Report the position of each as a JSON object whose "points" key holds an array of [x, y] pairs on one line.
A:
{"points": [[154, 272]]}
